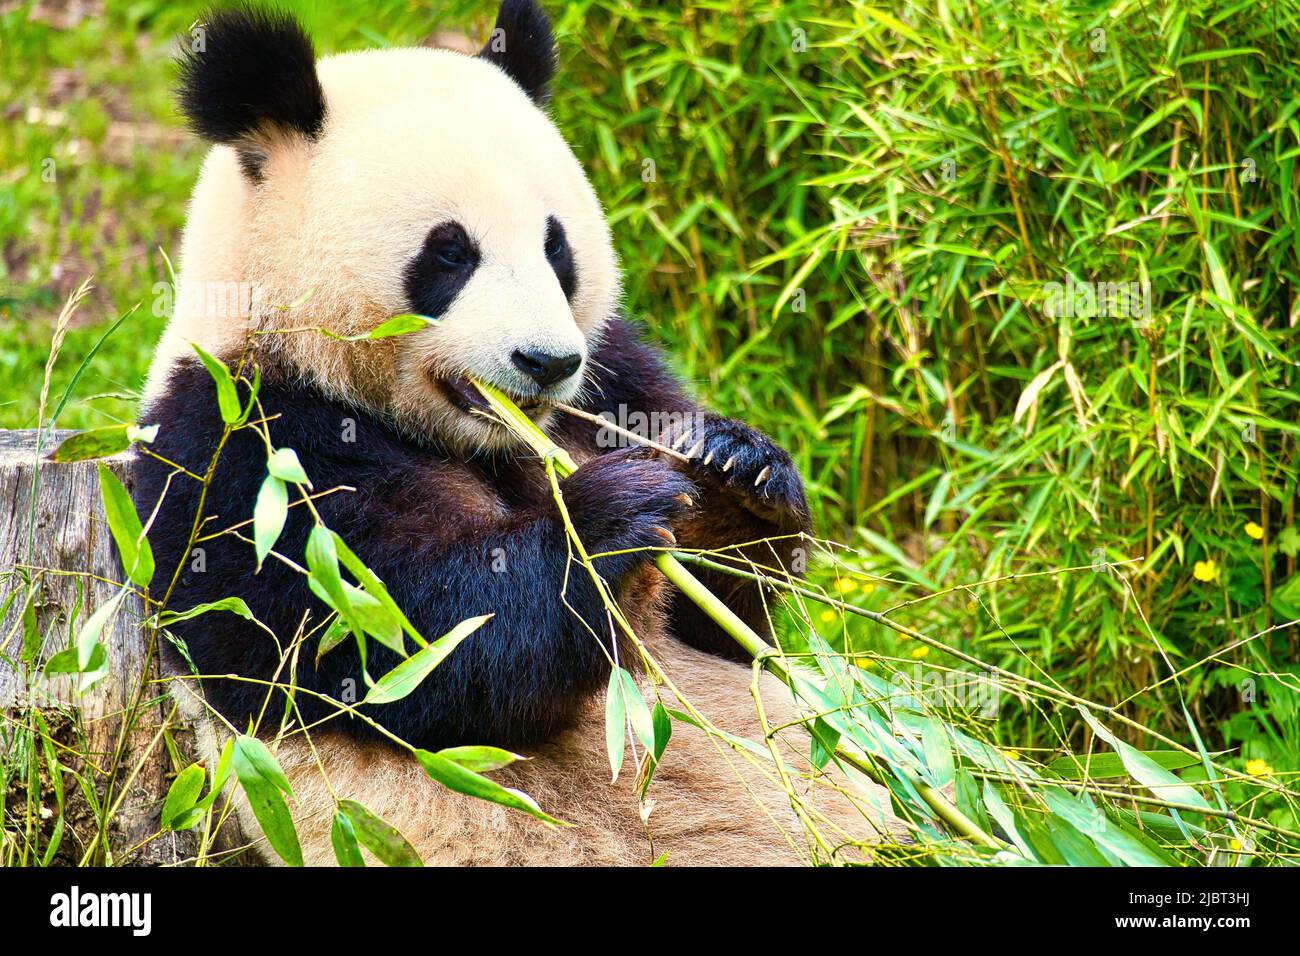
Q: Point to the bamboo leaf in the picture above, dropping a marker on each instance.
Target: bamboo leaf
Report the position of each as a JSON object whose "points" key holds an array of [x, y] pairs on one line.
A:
{"points": [[265, 786], [88, 658], [455, 777], [1218, 278], [325, 580], [179, 812], [31, 632], [270, 513], [233, 605], [375, 588], [128, 533], [344, 840], [334, 635], [284, 464], [227, 396], [663, 730], [220, 774], [397, 325], [407, 676], [376, 835], [102, 442], [480, 759], [375, 619], [615, 723], [1101, 766], [637, 711], [1146, 771]]}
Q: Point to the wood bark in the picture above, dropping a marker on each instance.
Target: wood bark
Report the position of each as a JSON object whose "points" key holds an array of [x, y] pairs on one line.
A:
{"points": [[60, 554]]}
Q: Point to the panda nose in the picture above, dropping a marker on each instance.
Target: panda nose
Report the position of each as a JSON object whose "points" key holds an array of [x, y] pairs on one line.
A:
{"points": [[546, 369]]}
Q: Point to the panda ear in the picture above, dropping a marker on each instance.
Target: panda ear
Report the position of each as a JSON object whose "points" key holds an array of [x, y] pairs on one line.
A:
{"points": [[248, 79], [524, 47]]}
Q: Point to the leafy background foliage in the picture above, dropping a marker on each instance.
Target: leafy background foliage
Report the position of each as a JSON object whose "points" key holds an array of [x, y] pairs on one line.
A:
{"points": [[854, 213]]}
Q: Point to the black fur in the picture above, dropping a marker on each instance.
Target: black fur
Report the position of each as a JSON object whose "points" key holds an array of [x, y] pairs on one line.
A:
{"points": [[560, 255], [420, 520], [525, 47], [257, 70], [628, 373], [440, 270], [519, 679]]}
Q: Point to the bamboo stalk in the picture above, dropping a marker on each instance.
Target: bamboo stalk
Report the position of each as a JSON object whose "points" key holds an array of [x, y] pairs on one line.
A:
{"points": [[764, 653]]}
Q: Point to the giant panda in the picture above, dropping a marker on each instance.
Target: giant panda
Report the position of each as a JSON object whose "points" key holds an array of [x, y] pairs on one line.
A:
{"points": [[344, 192]]}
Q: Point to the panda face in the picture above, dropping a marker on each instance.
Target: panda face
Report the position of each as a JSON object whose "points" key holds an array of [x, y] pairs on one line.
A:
{"points": [[542, 350], [392, 181], [476, 215]]}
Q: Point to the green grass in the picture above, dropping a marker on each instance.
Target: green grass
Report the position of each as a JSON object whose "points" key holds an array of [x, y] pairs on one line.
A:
{"points": [[855, 214]]}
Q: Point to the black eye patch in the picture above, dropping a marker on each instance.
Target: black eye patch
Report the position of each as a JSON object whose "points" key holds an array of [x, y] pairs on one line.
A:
{"points": [[440, 270], [560, 256]]}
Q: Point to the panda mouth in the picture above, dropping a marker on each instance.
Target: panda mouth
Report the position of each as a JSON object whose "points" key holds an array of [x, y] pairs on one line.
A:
{"points": [[461, 393]]}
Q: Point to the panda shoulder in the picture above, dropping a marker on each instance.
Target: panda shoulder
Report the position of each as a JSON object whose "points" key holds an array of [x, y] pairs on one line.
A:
{"points": [[628, 368]]}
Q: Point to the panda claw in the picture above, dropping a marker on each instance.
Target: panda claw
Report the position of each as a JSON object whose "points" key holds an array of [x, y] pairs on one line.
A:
{"points": [[667, 535], [695, 450], [730, 461], [685, 499], [708, 459], [763, 475], [678, 442]]}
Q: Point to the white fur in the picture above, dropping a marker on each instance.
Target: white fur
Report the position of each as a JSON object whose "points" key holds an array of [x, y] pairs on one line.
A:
{"points": [[412, 138], [708, 804]]}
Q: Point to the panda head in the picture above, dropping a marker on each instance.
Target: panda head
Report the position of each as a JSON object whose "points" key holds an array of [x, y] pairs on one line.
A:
{"points": [[365, 185]]}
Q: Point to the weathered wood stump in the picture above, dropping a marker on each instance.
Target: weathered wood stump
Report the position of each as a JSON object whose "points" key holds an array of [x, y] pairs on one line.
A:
{"points": [[60, 555]]}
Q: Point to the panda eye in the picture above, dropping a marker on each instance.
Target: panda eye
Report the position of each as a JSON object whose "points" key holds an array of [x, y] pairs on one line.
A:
{"points": [[453, 255], [450, 248], [556, 242]]}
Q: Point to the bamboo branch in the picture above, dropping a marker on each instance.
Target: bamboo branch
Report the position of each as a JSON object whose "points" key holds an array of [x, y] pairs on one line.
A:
{"points": [[764, 653]]}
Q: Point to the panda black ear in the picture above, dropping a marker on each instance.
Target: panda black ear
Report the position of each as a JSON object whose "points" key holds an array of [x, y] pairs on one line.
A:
{"points": [[247, 78], [523, 45]]}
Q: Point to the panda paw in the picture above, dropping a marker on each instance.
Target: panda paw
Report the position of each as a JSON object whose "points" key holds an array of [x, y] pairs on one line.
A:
{"points": [[747, 464], [627, 500]]}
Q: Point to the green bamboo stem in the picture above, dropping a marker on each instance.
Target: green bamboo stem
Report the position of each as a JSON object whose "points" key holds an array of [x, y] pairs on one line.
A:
{"points": [[1111, 710], [767, 655]]}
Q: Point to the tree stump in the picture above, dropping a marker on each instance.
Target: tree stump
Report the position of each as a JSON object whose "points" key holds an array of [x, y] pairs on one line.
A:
{"points": [[60, 556]]}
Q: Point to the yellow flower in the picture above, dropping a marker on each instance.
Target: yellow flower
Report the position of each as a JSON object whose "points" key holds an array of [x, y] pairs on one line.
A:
{"points": [[1258, 768], [1012, 754], [1205, 570], [845, 585], [828, 616], [1254, 530], [866, 663], [1235, 843], [919, 652], [867, 587]]}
